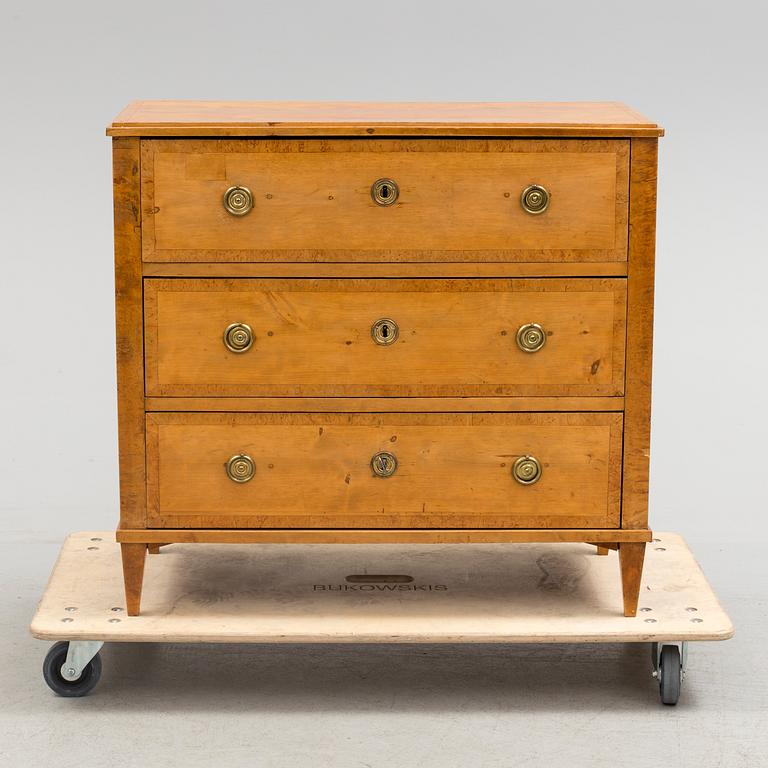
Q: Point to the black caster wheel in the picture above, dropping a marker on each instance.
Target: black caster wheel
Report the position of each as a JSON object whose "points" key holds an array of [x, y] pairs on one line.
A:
{"points": [[670, 674], [54, 660]]}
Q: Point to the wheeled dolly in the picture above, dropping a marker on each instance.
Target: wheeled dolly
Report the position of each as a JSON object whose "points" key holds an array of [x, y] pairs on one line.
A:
{"points": [[496, 593]]}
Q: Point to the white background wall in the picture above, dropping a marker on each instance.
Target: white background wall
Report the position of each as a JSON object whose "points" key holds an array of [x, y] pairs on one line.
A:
{"points": [[698, 68]]}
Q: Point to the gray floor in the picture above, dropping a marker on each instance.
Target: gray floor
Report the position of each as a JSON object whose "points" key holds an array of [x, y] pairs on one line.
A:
{"points": [[172, 705]]}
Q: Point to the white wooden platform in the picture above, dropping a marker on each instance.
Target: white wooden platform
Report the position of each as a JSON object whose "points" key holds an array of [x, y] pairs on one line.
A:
{"points": [[527, 593]]}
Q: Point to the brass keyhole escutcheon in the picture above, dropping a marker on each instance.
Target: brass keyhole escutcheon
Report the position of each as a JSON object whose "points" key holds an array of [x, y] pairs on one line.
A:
{"points": [[531, 337], [385, 192], [238, 337], [384, 464], [238, 200], [535, 199], [526, 470], [385, 331], [240, 468]]}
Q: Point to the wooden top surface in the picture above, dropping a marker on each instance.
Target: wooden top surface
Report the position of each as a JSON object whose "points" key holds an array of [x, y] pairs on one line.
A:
{"points": [[530, 593], [340, 118]]}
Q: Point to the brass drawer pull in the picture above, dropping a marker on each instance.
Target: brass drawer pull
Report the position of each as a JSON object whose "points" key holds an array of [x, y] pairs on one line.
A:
{"points": [[241, 468], [531, 337], [238, 337], [535, 199], [238, 200], [384, 464], [526, 470], [385, 192], [385, 331]]}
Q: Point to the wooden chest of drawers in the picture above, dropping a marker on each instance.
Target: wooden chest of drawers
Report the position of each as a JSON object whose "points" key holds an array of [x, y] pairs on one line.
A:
{"points": [[384, 323]]}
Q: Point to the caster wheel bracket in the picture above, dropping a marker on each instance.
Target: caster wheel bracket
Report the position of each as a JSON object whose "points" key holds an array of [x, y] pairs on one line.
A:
{"points": [[79, 655]]}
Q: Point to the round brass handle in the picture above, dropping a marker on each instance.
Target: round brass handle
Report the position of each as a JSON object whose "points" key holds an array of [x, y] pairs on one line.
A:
{"points": [[385, 331], [526, 470], [531, 337], [535, 199], [241, 468], [385, 192], [238, 337], [238, 200], [384, 464]]}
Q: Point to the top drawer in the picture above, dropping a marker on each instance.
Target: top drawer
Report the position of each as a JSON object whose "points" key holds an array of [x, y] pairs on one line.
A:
{"points": [[440, 200]]}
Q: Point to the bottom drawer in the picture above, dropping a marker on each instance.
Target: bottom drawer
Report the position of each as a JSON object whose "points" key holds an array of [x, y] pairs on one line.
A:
{"points": [[384, 471]]}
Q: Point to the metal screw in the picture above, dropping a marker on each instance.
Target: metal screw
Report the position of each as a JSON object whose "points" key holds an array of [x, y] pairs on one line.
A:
{"points": [[117, 609], [697, 621], [691, 609], [90, 549], [114, 621], [661, 549], [646, 610], [656, 540], [67, 620], [650, 621], [96, 538], [70, 608]]}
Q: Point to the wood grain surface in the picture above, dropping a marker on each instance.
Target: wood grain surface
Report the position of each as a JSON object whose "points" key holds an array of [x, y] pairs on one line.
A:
{"points": [[313, 337], [642, 255], [345, 118], [458, 201], [313, 470], [129, 331]]}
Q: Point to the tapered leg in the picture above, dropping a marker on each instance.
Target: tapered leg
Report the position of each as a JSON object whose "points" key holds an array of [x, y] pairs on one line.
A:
{"points": [[604, 546], [631, 555], [134, 556]]}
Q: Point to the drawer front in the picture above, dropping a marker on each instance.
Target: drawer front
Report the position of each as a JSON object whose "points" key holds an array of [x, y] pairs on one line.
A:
{"points": [[326, 338], [450, 470], [313, 200]]}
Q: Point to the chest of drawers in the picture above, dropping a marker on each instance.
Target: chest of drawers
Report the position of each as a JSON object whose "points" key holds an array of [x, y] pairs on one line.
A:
{"points": [[384, 323]]}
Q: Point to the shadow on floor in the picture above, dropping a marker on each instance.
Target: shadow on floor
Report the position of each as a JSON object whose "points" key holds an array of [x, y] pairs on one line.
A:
{"points": [[357, 678]]}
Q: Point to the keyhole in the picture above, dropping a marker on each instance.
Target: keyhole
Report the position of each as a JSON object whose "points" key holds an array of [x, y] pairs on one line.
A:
{"points": [[385, 331], [385, 191]]}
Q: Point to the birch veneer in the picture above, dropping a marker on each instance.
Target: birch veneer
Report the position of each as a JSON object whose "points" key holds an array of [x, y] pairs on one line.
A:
{"points": [[345, 322]]}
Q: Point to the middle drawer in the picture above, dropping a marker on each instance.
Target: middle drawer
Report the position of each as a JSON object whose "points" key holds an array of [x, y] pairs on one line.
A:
{"points": [[384, 337]]}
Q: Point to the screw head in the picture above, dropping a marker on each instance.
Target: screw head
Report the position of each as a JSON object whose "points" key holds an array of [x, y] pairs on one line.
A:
{"points": [[661, 549], [91, 549], [67, 620], [70, 608], [646, 610], [116, 609], [114, 621], [697, 621], [691, 609], [650, 621]]}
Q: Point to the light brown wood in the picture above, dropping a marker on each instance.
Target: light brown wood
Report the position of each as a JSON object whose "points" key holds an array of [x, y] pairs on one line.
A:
{"points": [[456, 262], [387, 269], [384, 404], [631, 556], [154, 549], [380, 535], [642, 250], [604, 546], [286, 118], [313, 337], [459, 200], [129, 334], [529, 593], [313, 470], [133, 557]]}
